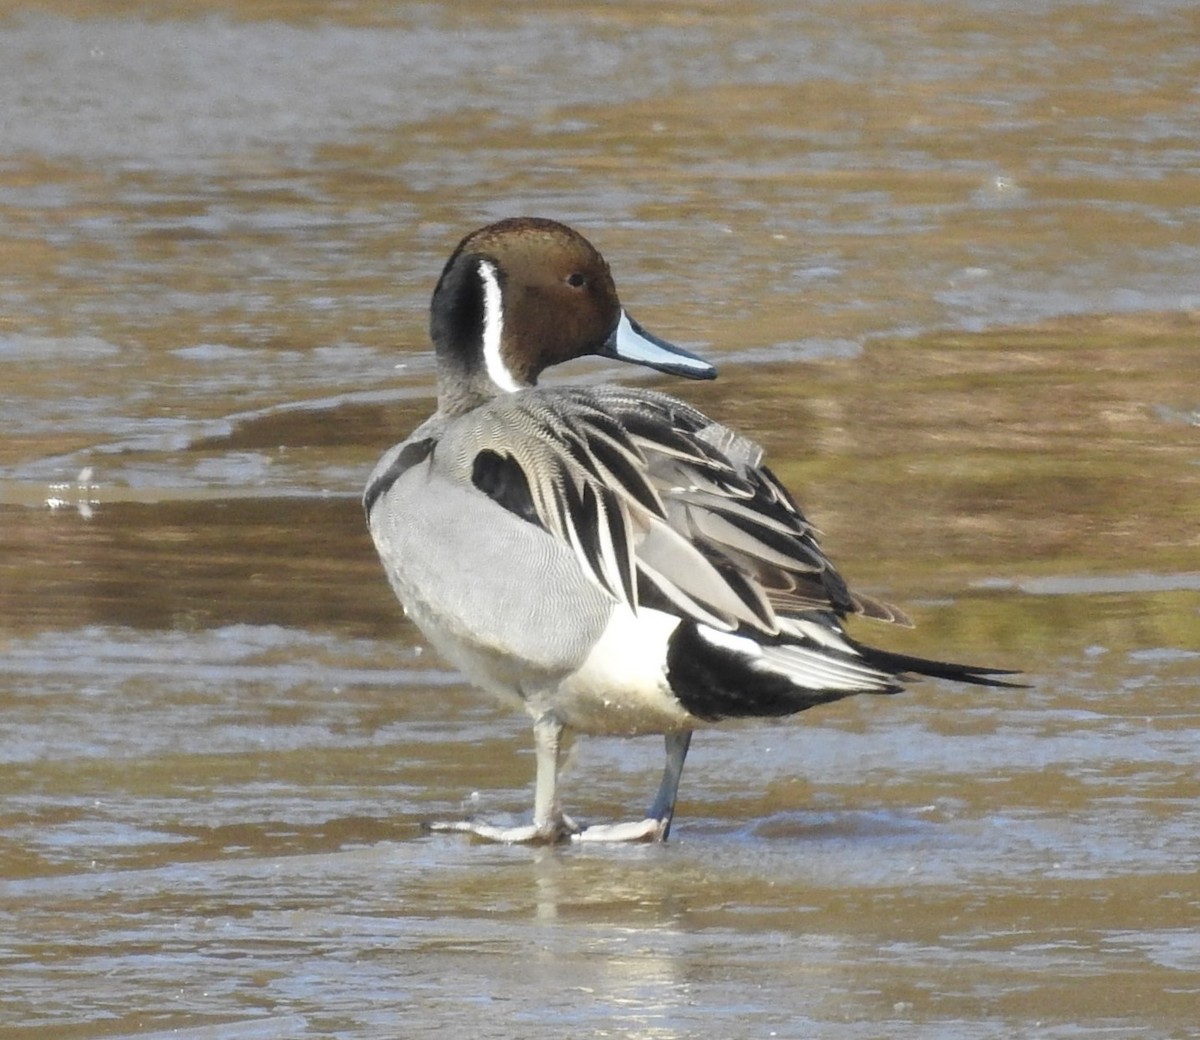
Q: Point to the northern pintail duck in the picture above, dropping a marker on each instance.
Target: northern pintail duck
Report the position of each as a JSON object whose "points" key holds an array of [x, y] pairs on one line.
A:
{"points": [[609, 559]]}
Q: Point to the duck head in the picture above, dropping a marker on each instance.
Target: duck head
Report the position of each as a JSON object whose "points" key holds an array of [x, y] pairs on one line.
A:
{"points": [[521, 295]]}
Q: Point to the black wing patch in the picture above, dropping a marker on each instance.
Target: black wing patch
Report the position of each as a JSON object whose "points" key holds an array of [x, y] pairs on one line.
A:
{"points": [[502, 479]]}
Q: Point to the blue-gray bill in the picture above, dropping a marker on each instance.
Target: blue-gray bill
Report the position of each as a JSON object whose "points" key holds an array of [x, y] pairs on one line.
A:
{"points": [[630, 342]]}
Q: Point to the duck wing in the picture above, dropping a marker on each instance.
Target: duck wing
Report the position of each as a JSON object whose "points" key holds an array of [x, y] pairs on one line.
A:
{"points": [[660, 505]]}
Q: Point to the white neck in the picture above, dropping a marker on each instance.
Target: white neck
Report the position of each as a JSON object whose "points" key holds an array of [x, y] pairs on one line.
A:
{"points": [[493, 329]]}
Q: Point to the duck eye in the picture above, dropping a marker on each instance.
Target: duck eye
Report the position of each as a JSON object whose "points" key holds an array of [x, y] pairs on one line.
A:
{"points": [[576, 280]]}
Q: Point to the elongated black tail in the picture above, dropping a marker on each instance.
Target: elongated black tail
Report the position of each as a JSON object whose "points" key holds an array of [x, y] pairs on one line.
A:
{"points": [[901, 665]]}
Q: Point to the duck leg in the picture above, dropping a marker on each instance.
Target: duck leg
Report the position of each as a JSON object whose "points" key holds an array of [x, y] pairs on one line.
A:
{"points": [[663, 806], [549, 825], [657, 824]]}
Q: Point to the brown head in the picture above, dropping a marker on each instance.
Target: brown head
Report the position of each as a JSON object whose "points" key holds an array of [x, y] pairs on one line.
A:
{"points": [[526, 293]]}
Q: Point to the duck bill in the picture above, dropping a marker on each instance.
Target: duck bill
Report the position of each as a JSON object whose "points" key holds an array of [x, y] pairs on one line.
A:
{"points": [[630, 342]]}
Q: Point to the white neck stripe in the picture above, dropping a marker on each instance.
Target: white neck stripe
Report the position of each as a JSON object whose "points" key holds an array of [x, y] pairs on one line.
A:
{"points": [[493, 328]]}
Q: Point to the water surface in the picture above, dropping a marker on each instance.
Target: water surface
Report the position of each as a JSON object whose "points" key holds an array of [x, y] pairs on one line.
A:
{"points": [[945, 256]]}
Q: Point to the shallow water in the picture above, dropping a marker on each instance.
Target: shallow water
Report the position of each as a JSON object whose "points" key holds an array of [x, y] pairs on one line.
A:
{"points": [[945, 255]]}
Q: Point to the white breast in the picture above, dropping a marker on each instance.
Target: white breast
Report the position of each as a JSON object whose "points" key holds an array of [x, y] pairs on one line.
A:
{"points": [[621, 688]]}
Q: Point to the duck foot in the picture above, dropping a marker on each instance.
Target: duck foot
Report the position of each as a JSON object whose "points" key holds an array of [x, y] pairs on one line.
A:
{"points": [[646, 830], [552, 826], [555, 832], [550, 832]]}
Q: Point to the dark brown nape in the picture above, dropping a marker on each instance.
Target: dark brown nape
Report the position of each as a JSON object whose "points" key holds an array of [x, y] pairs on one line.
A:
{"points": [[560, 300]]}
